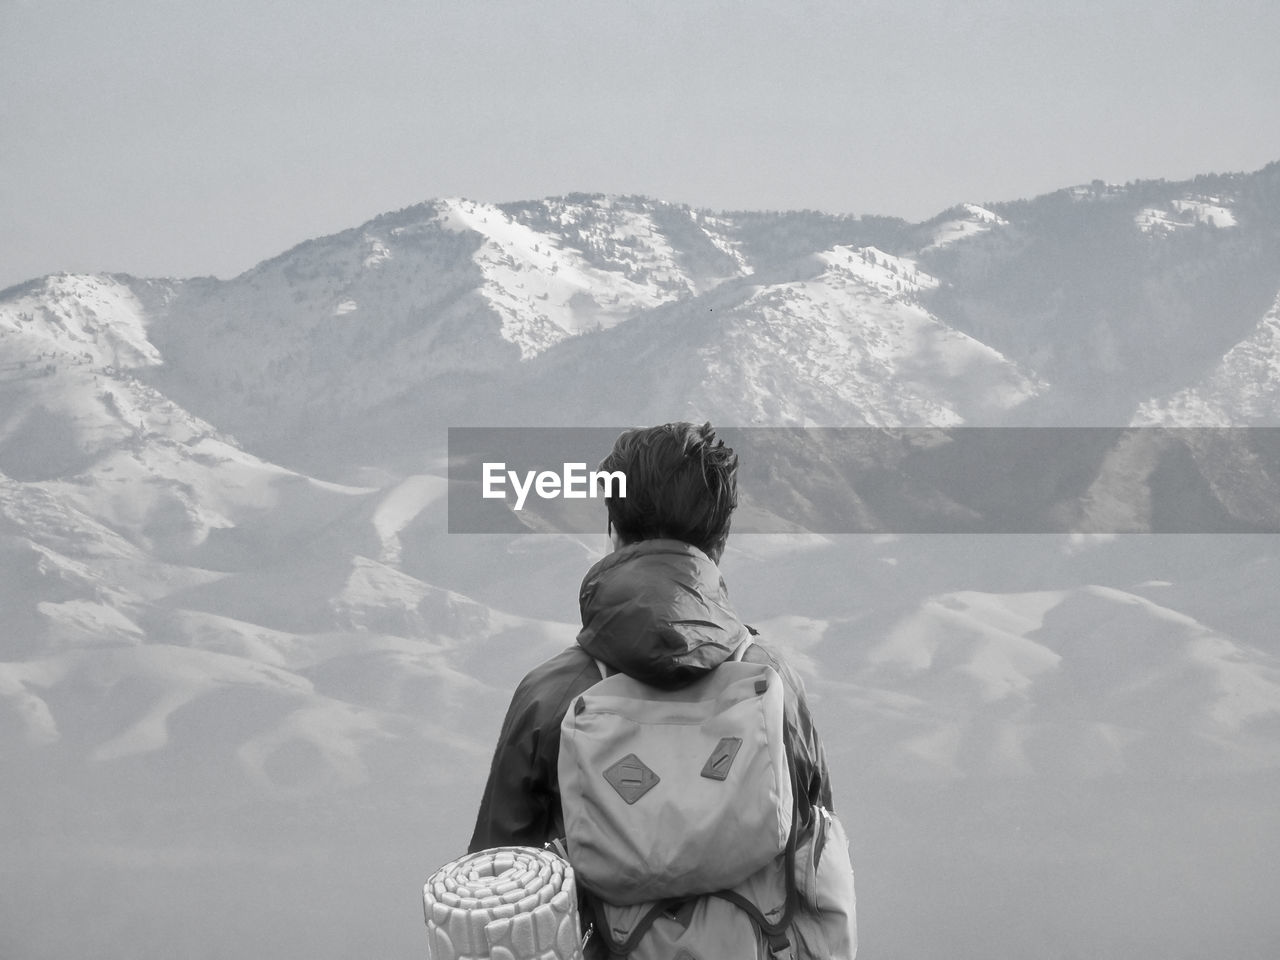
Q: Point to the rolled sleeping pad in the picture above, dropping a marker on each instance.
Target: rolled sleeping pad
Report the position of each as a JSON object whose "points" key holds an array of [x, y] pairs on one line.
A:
{"points": [[508, 903]]}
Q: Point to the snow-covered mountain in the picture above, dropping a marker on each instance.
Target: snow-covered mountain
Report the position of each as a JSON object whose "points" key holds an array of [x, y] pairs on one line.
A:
{"points": [[249, 682]]}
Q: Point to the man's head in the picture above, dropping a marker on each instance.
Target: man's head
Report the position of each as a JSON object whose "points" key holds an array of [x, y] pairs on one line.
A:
{"points": [[682, 484]]}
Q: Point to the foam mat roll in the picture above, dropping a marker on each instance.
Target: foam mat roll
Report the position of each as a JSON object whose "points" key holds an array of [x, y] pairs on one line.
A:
{"points": [[509, 903]]}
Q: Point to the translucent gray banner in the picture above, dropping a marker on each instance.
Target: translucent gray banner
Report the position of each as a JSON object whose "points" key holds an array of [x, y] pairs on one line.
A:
{"points": [[911, 480]]}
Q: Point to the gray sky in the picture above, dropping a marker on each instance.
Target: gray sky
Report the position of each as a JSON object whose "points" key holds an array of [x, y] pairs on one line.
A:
{"points": [[185, 137]]}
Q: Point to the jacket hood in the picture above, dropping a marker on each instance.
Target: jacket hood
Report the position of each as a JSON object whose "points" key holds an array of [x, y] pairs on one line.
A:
{"points": [[658, 611]]}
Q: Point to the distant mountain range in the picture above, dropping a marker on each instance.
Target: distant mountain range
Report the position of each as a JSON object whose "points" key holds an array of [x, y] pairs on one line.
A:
{"points": [[240, 651], [1095, 305]]}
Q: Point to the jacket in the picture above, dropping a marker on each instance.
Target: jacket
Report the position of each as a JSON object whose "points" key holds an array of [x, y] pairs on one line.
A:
{"points": [[658, 611]]}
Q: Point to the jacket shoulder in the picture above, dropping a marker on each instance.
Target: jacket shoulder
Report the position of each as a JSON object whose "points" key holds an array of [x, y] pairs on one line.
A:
{"points": [[763, 651], [551, 685]]}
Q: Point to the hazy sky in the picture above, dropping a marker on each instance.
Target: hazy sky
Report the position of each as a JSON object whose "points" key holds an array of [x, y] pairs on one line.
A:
{"points": [[184, 137]]}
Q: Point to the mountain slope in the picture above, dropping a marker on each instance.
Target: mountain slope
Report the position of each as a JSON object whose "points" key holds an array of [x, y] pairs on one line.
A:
{"points": [[1243, 387]]}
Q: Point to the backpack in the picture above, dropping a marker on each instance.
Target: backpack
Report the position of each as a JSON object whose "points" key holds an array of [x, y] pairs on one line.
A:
{"points": [[680, 813]]}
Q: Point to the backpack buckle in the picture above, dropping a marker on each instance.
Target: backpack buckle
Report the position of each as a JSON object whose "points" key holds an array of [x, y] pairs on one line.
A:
{"points": [[780, 947]]}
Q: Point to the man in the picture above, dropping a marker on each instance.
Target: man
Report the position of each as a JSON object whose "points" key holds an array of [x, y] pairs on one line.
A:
{"points": [[656, 609]]}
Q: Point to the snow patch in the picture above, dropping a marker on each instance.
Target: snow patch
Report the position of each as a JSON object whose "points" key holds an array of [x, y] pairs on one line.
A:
{"points": [[891, 275], [977, 220], [95, 320], [401, 506], [712, 228], [1184, 213], [856, 333], [376, 252], [543, 292]]}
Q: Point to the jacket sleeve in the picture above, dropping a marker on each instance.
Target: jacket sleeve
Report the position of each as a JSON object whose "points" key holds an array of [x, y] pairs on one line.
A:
{"points": [[521, 801], [817, 786], [516, 808], [826, 924], [810, 758]]}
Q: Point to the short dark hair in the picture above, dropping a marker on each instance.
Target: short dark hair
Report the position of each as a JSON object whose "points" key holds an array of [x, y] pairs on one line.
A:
{"points": [[682, 484]]}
